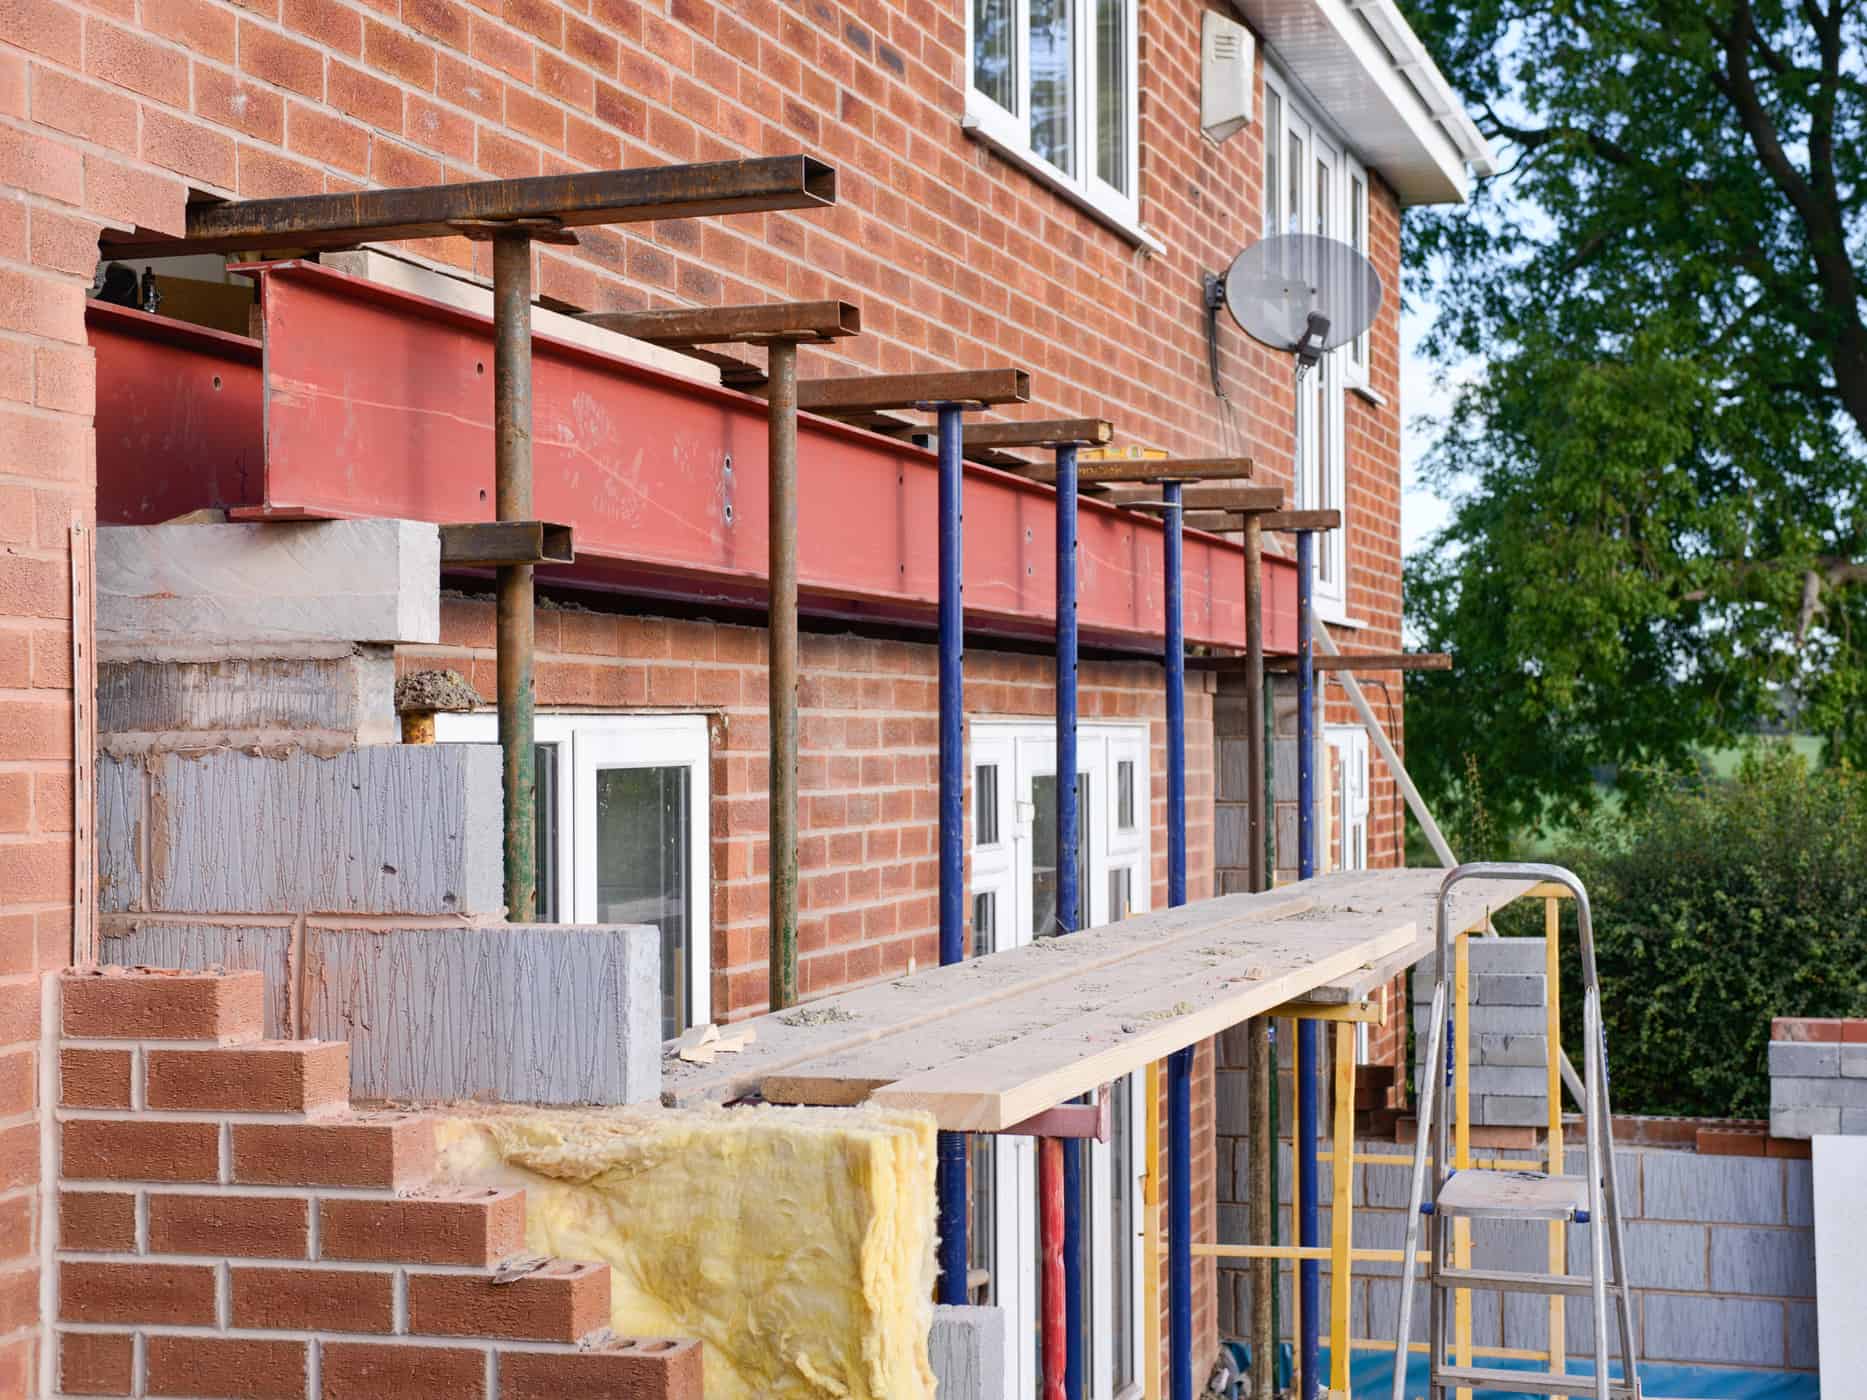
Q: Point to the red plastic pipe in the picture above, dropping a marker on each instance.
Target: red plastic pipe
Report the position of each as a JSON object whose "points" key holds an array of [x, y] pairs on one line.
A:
{"points": [[1050, 1246]]}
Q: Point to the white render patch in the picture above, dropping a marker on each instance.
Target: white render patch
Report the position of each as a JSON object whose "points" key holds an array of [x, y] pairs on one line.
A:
{"points": [[178, 591], [509, 1013]]}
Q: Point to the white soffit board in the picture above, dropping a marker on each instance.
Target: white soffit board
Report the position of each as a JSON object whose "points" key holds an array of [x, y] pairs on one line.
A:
{"points": [[1335, 56], [1841, 1260]]}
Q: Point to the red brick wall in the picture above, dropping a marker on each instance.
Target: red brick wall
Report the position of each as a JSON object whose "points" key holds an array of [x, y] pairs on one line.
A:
{"points": [[228, 1226]]}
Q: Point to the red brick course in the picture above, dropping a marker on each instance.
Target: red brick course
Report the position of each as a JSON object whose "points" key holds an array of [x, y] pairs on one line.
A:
{"points": [[234, 1293]]}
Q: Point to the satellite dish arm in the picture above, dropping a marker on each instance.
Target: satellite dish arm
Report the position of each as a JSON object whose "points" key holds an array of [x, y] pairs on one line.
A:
{"points": [[1315, 336], [1215, 298]]}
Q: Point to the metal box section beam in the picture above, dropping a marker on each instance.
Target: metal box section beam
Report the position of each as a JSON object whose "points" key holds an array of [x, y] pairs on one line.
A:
{"points": [[664, 480], [440, 211]]}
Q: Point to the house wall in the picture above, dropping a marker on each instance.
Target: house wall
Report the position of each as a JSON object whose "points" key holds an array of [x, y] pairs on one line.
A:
{"points": [[112, 112]]}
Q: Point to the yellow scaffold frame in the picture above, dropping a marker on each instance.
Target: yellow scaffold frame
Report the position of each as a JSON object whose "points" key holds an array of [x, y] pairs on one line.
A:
{"points": [[1340, 1253]]}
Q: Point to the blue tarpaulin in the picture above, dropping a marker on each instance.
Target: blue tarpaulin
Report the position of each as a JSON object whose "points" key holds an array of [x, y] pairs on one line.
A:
{"points": [[1372, 1377]]}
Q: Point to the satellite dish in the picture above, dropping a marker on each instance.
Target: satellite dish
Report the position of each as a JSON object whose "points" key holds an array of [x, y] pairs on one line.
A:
{"points": [[1302, 292]]}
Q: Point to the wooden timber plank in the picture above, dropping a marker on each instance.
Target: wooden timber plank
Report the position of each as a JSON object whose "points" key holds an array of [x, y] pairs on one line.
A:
{"points": [[434, 211], [833, 1024], [1472, 904], [1258, 945], [1011, 1081]]}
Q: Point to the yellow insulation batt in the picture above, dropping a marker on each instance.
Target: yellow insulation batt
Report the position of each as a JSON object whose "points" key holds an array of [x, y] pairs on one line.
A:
{"points": [[796, 1243]]}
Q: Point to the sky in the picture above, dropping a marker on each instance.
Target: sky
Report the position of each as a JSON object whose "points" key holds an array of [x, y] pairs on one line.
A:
{"points": [[1421, 512]]}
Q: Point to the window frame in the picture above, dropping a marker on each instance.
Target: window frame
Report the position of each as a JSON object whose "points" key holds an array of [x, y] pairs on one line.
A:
{"points": [[587, 742], [1024, 750], [1322, 477], [1009, 132]]}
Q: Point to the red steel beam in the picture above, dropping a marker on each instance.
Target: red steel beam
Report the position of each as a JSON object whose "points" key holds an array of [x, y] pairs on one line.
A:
{"points": [[379, 402]]}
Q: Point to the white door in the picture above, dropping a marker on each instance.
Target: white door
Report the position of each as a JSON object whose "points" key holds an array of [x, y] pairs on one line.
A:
{"points": [[1014, 900]]}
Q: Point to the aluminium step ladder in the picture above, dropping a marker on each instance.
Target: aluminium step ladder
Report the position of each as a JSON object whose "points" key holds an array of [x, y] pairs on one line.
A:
{"points": [[1590, 1200]]}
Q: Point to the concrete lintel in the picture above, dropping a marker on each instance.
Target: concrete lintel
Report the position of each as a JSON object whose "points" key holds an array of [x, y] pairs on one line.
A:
{"points": [[197, 589]]}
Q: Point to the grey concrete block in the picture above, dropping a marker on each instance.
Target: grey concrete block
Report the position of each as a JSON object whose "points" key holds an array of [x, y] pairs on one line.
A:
{"points": [[1508, 989], [1388, 1187], [1659, 1255], [325, 702], [1776, 1262], [393, 829], [1495, 956], [1627, 1161], [1230, 828], [1510, 1079], [1284, 768], [1854, 1122], [1731, 1190], [1487, 1020], [1510, 1111], [243, 948], [510, 1013], [1682, 1327], [1853, 1061], [1818, 1093], [1804, 1122], [1231, 1089], [1804, 1060], [1234, 769], [1524, 1050], [967, 1348], [1799, 1184], [122, 819], [185, 590], [1802, 1337]]}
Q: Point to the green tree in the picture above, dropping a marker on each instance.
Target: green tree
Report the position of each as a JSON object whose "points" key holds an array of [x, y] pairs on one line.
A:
{"points": [[1657, 457]]}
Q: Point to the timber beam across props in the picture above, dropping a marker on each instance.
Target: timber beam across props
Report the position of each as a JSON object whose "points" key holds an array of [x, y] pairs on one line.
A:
{"points": [[1239, 500], [1366, 661], [539, 204]]}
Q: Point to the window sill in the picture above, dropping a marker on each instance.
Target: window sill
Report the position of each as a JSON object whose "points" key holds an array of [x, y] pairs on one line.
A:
{"points": [[1368, 392], [1103, 212]]}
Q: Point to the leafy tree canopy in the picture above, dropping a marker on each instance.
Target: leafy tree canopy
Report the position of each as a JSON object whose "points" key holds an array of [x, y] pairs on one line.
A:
{"points": [[1657, 458]]}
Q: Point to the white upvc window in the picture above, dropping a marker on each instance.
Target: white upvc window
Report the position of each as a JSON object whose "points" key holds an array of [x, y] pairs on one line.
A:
{"points": [[1055, 86], [623, 835], [1014, 844], [1312, 186]]}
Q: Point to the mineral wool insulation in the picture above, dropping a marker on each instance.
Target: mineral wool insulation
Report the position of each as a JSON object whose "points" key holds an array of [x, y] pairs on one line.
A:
{"points": [[797, 1244]]}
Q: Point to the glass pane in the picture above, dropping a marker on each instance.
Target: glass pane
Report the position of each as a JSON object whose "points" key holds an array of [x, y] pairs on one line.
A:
{"points": [[1358, 236], [1322, 198], [995, 51], [1053, 83], [547, 811], [1112, 92], [982, 1218], [1122, 1227], [984, 923], [985, 804], [642, 855], [1124, 794], [1293, 192], [1044, 853], [1273, 151]]}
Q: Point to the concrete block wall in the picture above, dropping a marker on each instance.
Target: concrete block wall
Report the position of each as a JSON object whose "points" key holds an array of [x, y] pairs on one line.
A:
{"points": [[1818, 1077], [1721, 1256], [1509, 1083], [229, 1226]]}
